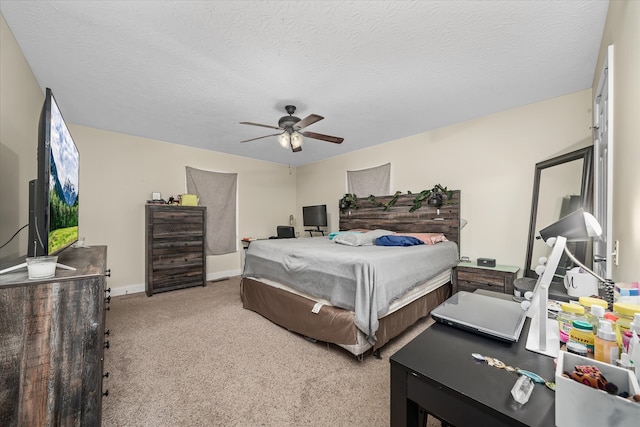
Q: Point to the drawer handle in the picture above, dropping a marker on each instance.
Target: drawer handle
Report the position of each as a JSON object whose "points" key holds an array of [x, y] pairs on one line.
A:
{"points": [[107, 332], [105, 375], [106, 344], [106, 393], [108, 299], [108, 274]]}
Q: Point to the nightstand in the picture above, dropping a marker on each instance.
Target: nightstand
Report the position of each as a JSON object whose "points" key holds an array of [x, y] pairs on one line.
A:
{"points": [[468, 276]]}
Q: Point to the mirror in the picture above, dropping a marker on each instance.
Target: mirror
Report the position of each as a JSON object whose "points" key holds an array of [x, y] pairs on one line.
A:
{"points": [[560, 186]]}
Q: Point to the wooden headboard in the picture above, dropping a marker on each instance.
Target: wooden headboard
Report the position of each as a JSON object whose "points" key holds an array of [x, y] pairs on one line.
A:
{"points": [[426, 219]]}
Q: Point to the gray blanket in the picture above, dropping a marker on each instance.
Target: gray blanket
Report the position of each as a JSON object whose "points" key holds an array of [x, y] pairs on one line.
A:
{"points": [[363, 279]]}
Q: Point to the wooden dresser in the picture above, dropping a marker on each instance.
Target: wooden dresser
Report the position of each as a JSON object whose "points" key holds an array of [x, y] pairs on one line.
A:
{"points": [[52, 342], [175, 247], [468, 277]]}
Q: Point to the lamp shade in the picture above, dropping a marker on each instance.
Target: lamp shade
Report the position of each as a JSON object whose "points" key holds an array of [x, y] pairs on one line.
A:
{"points": [[283, 139], [296, 140], [578, 226]]}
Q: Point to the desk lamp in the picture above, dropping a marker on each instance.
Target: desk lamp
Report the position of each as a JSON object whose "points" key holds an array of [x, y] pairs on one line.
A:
{"points": [[575, 227]]}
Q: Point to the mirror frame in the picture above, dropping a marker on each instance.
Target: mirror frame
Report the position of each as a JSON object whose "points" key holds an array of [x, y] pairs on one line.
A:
{"points": [[586, 196]]}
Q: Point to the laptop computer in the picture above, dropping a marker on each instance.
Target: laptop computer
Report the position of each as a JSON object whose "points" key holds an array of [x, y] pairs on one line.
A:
{"points": [[285, 232], [482, 314]]}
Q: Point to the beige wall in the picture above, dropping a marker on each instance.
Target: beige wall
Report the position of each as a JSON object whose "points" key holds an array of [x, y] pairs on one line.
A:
{"points": [[20, 104], [118, 173], [491, 160], [622, 29]]}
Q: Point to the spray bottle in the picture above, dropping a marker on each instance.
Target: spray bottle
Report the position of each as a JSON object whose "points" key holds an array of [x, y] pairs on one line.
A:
{"points": [[634, 345], [606, 347]]}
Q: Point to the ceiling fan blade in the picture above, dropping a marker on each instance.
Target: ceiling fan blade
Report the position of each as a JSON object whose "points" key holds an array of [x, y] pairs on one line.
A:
{"points": [[309, 120], [322, 137], [260, 137], [258, 124]]}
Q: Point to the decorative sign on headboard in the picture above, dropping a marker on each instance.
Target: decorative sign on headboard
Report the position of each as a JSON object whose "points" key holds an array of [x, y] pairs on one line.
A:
{"points": [[427, 219]]}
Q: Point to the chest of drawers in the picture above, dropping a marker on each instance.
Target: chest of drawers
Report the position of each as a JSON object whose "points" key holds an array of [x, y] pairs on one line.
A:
{"points": [[53, 341], [469, 277], [175, 247]]}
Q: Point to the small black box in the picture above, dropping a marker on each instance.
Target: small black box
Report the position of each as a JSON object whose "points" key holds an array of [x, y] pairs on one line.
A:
{"points": [[486, 262]]}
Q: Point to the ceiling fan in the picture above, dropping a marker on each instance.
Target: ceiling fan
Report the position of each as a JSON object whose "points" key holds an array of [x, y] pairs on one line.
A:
{"points": [[291, 126]]}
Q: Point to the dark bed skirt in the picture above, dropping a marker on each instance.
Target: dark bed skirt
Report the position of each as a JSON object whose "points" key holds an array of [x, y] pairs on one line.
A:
{"points": [[331, 324]]}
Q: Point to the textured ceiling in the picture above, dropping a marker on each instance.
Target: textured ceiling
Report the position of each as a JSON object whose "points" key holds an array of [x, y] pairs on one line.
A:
{"points": [[188, 72]]}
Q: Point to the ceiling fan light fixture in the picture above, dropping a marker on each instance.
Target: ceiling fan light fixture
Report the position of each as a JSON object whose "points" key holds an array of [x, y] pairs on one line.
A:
{"points": [[296, 140], [283, 139], [292, 135]]}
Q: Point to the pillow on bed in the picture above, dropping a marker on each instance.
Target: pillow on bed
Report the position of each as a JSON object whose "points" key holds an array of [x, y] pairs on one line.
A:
{"points": [[427, 238], [360, 239], [397, 240], [335, 233]]}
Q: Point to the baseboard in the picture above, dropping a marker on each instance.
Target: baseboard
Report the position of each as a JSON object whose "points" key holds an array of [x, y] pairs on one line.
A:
{"points": [[222, 275], [126, 290], [132, 289]]}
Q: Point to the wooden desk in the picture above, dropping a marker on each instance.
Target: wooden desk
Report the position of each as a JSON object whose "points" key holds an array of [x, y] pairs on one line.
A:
{"points": [[435, 371]]}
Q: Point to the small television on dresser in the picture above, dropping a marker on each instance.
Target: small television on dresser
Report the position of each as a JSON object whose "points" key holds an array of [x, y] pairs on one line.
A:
{"points": [[53, 196], [314, 216]]}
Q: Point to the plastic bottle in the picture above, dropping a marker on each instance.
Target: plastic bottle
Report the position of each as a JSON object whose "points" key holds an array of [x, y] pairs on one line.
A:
{"points": [[569, 313], [588, 302], [634, 326], [634, 353], [625, 362], [597, 314], [625, 313], [577, 348], [605, 346], [626, 336], [582, 333], [611, 316], [594, 309]]}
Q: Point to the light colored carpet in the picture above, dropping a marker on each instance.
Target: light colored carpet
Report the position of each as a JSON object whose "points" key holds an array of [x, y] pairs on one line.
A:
{"points": [[195, 357]]}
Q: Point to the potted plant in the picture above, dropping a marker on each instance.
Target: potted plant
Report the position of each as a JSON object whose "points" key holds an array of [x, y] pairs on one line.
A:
{"points": [[349, 201], [435, 197]]}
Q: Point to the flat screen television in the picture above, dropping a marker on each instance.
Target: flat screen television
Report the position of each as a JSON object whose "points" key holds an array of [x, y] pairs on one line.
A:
{"points": [[314, 216], [53, 199]]}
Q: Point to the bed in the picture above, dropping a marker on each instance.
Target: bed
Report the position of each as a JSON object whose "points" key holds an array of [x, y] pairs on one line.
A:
{"points": [[357, 297]]}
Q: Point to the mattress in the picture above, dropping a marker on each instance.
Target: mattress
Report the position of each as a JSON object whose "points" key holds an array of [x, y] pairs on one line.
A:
{"points": [[364, 280], [410, 296], [360, 343], [335, 325]]}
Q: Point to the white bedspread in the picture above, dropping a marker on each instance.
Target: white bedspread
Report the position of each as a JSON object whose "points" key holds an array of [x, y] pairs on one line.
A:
{"points": [[364, 279]]}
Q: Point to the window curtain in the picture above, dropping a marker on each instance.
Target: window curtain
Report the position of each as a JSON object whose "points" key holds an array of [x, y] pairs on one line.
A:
{"points": [[373, 181], [216, 191]]}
